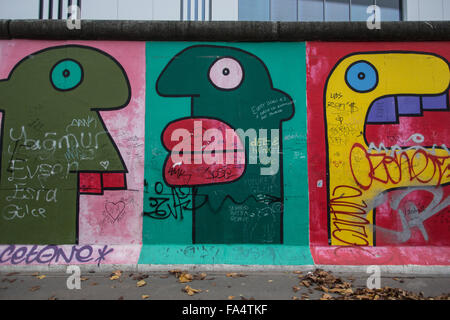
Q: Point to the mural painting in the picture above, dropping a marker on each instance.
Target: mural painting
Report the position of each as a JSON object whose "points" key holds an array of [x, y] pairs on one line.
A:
{"points": [[64, 175], [228, 179], [385, 144]]}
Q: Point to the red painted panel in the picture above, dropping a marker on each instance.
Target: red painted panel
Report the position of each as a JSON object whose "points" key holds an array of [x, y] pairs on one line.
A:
{"points": [[90, 183], [321, 59]]}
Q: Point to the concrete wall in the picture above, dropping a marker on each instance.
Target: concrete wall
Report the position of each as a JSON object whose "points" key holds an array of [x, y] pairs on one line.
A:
{"points": [[342, 157]]}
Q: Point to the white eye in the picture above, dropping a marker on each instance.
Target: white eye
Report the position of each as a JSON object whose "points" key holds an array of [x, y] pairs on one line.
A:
{"points": [[226, 73]]}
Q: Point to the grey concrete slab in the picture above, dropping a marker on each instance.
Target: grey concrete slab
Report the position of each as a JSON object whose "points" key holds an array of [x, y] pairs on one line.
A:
{"points": [[215, 286]]}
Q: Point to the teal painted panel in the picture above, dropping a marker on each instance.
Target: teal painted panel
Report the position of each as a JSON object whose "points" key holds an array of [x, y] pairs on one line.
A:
{"points": [[173, 223], [226, 254], [168, 215]]}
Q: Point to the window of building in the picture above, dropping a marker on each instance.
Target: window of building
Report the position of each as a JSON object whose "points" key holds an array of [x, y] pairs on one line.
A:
{"points": [[316, 10]]}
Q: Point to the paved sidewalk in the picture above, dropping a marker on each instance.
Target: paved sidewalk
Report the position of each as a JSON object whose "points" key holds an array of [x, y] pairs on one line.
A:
{"points": [[203, 285]]}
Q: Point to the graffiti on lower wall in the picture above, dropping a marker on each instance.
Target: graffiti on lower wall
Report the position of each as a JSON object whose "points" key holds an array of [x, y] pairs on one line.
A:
{"points": [[386, 135]]}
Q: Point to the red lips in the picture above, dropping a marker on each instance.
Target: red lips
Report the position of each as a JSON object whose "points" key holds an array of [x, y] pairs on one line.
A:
{"points": [[202, 151]]}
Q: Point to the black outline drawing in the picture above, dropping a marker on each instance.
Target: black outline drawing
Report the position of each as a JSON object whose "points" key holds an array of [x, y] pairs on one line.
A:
{"points": [[327, 156], [192, 96], [127, 101]]}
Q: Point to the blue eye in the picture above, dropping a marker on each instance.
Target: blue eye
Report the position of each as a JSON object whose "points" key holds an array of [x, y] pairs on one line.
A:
{"points": [[66, 75], [361, 76]]}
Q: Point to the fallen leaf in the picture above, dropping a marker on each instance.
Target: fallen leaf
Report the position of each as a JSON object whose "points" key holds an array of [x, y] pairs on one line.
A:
{"points": [[141, 283], [94, 284], [200, 276], [12, 274], [145, 296], [114, 277], [140, 277], [191, 291], [32, 289], [118, 273], [185, 277], [324, 289], [306, 283], [295, 298], [176, 272], [298, 272], [235, 275], [230, 297], [41, 277], [295, 288], [326, 296], [120, 298], [269, 280], [84, 278], [52, 298]]}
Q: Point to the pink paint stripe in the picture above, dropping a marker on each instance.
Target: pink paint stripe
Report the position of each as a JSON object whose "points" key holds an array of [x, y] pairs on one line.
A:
{"points": [[333, 255]]}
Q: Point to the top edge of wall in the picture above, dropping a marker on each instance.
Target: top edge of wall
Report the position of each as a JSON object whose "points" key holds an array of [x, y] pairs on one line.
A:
{"points": [[224, 31]]}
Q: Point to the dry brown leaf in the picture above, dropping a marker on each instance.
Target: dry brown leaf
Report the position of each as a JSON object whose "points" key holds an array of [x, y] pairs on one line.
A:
{"points": [[298, 272], [185, 277], [141, 283], [94, 284], [347, 291], [145, 296], [200, 276], [84, 278], [230, 297], [295, 288], [306, 283], [176, 272], [118, 273], [191, 291], [140, 277], [235, 275], [41, 277], [295, 298], [32, 289], [114, 277], [326, 296]]}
